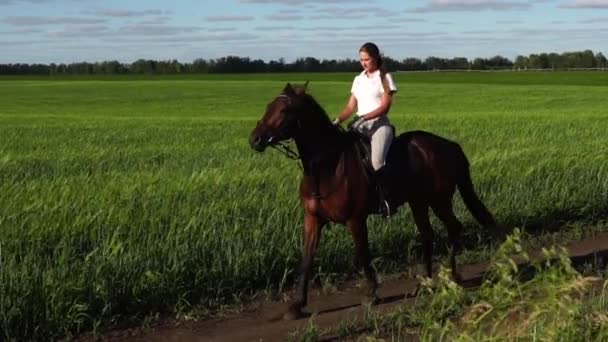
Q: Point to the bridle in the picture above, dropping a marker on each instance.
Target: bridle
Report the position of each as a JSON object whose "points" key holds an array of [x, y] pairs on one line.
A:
{"points": [[282, 145]]}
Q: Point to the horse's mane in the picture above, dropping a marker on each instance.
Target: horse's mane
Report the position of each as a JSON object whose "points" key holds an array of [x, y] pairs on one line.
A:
{"points": [[315, 108], [316, 115]]}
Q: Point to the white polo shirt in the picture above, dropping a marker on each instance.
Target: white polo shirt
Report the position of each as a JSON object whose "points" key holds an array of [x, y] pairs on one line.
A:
{"points": [[368, 91]]}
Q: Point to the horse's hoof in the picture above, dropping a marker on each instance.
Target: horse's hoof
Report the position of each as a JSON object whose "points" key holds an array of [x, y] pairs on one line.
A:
{"points": [[370, 300]]}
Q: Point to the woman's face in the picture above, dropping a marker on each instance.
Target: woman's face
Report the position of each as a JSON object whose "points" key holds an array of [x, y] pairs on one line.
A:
{"points": [[367, 62]]}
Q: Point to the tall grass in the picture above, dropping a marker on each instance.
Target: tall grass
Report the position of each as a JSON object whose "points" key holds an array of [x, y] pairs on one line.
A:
{"points": [[124, 199], [549, 301]]}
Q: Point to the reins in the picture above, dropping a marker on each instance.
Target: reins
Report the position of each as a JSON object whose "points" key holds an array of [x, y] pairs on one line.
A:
{"points": [[285, 149]]}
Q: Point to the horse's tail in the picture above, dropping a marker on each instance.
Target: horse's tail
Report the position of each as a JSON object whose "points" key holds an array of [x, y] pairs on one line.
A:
{"points": [[469, 196]]}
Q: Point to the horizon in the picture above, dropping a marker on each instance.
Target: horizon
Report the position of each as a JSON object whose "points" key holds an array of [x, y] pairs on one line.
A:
{"points": [[400, 59], [61, 31]]}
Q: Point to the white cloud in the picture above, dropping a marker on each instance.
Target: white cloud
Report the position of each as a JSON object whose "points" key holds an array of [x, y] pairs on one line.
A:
{"points": [[221, 29], [302, 2], [32, 21], [469, 5], [120, 13], [284, 17], [594, 21], [342, 17], [509, 22], [80, 31], [400, 20], [229, 18], [587, 4], [273, 28], [98, 31], [9, 2], [375, 11], [212, 36], [21, 31], [155, 30], [325, 28], [155, 21]]}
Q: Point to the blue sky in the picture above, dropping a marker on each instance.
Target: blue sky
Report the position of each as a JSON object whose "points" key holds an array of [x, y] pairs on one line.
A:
{"points": [[45, 31]]}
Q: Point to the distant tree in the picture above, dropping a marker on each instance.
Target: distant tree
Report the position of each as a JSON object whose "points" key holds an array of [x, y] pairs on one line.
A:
{"points": [[459, 63], [232, 64], [328, 65], [543, 61], [311, 64], [555, 61], [110, 67], [434, 63], [411, 64], [534, 61], [587, 59], [390, 64], [200, 65], [521, 62], [176, 67], [479, 64], [143, 66], [348, 64], [600, 60], [498, 62], [257, 65], [276, 66]]}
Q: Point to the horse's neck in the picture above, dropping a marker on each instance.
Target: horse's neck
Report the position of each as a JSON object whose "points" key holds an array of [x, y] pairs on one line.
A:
{"points": [[319, 152]]}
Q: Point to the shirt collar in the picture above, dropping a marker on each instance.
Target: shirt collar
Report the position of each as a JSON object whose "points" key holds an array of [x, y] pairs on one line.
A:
{"points": [[373, 74]]}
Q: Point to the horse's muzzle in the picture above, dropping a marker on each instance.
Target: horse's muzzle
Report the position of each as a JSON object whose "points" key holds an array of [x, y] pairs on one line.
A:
{"points": [[257, 142]]}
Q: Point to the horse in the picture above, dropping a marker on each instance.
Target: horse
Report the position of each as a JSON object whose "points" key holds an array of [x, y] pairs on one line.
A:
{"points": [[424, 171]]}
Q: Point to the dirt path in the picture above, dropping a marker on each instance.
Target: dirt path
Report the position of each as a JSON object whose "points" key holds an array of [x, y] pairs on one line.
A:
{"points": [[264, 323]]}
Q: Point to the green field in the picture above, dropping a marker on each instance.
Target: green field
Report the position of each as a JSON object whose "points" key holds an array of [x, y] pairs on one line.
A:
{"points": [[124, 197]]}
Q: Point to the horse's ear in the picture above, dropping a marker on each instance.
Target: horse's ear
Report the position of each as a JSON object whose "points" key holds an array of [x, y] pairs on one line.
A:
{"points": [[305, 86], [288, 89]]}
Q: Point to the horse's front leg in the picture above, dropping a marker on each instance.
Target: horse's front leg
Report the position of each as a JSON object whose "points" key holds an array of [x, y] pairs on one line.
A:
{"points": [[358, 229], [312, 235]]}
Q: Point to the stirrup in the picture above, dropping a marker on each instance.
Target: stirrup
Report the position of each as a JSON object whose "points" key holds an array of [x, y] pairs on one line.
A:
{"points": [[385, 209]]}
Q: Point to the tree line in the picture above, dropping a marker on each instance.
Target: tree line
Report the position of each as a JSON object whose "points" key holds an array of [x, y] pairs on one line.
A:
{"points": [[236, 64]]}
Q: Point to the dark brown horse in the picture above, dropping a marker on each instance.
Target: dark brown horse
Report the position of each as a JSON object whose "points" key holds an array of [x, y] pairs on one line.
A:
{"points": [[424, 170]]}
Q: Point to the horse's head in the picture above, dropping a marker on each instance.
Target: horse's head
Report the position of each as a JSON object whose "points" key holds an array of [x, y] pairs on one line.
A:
{"points": [[280, 120]]}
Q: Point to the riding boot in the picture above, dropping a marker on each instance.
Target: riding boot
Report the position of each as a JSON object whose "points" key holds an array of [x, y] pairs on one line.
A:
{"points": [[382, 183]]}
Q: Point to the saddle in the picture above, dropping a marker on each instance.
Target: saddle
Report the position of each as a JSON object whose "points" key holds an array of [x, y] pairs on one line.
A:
{"points": [[362, 146], [363, 149]]}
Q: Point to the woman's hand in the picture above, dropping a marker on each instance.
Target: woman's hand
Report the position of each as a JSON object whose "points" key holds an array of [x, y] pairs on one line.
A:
{"points": [[354, 125]]}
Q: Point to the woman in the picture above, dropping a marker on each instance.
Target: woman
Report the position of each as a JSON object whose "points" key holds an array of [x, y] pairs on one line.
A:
{"points": [[371, 95]]}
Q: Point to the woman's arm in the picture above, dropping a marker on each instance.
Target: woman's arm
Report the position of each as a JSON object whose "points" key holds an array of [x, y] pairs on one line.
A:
{"points": [[385, 105], [348, 109]]}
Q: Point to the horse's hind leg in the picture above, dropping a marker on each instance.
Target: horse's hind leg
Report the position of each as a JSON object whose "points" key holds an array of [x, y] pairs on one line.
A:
{"points": [[358, 229], [421, 217], [445, 212]]}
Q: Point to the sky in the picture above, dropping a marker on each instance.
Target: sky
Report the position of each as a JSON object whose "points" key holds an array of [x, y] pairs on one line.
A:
{"points": [[66, 31]]}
